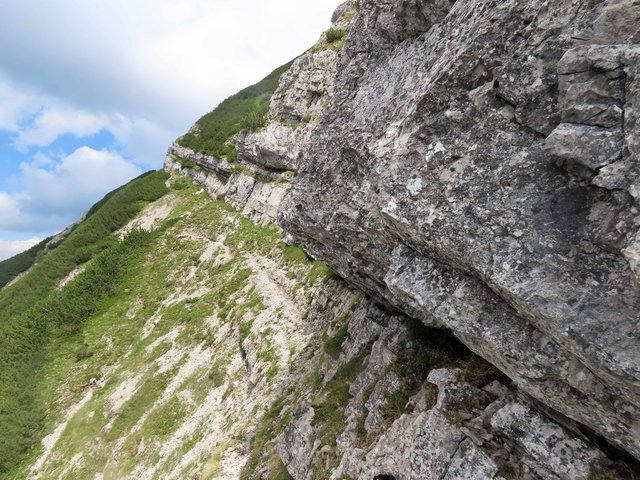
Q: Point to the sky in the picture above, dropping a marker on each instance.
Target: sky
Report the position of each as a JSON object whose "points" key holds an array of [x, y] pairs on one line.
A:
{"points": [[92, 92]]}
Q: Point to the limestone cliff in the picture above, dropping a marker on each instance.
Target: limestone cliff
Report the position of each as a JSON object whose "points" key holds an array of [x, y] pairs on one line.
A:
{"points": [[478, 169], [474, 165]]}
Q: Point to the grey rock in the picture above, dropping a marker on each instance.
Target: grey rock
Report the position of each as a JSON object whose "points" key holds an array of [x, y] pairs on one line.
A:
{"points": [[552, 447], [296, 444], [443, 376], [592, 146], [475, 165], [470, 463], [297, 105], [378, 399], [461, 396], [496, 389], [259, 200], [415, 446], [432, 182]]}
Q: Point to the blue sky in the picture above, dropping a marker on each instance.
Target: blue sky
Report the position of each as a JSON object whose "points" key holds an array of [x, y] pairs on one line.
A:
{"points": [[92, 93]]}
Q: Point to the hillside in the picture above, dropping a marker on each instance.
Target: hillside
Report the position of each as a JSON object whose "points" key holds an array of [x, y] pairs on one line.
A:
{"points": [[411, 253], [18, 264], [38, 318]]}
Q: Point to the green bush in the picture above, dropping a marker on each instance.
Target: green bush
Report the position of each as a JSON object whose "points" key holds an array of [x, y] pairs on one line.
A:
{"points": [[14, 266], [336, 34], [184, 163], [255, 119]]}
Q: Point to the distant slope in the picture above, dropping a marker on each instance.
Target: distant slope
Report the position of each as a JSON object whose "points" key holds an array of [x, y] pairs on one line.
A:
{"points": [[20, 263], [245, 109], [143, 321], [35, 316], [14, 266]]}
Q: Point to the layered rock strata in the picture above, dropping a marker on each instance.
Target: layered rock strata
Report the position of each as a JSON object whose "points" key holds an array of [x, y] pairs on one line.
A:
{"points": [[477, 168], [474, 164]]}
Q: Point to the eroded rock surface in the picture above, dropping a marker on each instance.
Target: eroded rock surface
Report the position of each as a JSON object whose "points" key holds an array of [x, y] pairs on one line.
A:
{"points": [[477, 168], [473, 164], [449, 429]]}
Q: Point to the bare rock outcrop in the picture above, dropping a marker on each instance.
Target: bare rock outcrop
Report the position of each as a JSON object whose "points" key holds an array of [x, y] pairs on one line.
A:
{"points": [[475, 164], [477, 168]]}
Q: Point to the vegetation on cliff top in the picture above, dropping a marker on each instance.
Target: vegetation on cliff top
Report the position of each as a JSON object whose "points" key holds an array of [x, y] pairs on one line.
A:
{"points": [[246, 109]]}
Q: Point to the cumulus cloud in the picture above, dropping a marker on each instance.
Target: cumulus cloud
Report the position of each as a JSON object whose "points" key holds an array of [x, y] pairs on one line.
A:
{"points": [[16, 106], [9, 248], [38, 120], [55, 195]]}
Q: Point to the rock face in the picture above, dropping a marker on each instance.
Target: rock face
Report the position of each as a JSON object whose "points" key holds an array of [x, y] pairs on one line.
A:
{"points": [[256, 198], [297, 105], [478, 168], [268, 158], [475, 165], [460, 432]]}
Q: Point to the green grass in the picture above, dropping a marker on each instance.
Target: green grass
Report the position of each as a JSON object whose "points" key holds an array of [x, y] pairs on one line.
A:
{"points": [[245, 110], [166, 418], [152, 388], [329, 418], [329, 408], [333, 345], [293, 254], [277, 470], [507, 470], [99, 337], [271, 424], [335, 39], [34, 317], [395, 405]]}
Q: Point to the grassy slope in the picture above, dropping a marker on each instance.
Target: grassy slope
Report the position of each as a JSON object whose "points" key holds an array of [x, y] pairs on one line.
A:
{"points": [[167, 303], [14, 266], [33, 316], [110, 344], [245, 109]]}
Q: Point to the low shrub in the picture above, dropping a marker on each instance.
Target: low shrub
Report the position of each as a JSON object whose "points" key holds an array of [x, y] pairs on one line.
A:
{"points": [[336, 34]]}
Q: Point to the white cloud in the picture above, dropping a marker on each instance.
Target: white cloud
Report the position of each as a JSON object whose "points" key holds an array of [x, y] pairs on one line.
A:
{"points": [[39, 120], [9, 248], [55, 122], [16, 106], [54, 196], [143, 70]]}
